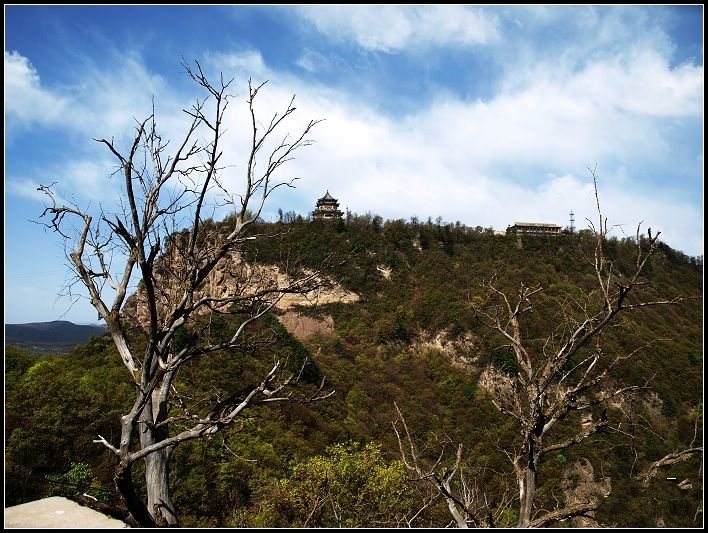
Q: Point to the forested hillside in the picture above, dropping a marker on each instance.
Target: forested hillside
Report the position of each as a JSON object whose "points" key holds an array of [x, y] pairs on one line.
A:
{"points": [[413, 349]]}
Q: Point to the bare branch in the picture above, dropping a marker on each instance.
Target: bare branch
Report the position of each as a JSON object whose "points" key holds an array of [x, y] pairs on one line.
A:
{"points": [[567, 369], [670, 459], [159, 240], [107, 444], [558, 515]]}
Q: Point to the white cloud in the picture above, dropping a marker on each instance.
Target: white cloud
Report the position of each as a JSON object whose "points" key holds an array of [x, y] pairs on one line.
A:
{"points": [[103, 104], [100, 103], [26, 101], [73, 181], [25, 188], [642, 84], [111, 100], [243, 65], [487, 163], [92, 179], [523, 155], [312, 61], [390, 28]]}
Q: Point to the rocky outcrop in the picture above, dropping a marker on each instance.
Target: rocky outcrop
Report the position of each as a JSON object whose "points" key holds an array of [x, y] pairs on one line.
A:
{"points": [[580, 486], [302, 326], [234, 277], [385, 271], [329, 292], [462, 352]]}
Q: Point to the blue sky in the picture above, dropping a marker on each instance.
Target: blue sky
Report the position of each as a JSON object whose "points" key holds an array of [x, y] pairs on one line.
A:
{"points": [[482, 115]]}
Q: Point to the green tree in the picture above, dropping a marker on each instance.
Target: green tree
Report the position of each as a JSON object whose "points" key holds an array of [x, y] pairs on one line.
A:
{"points": [[78, 480], [350, 486]]}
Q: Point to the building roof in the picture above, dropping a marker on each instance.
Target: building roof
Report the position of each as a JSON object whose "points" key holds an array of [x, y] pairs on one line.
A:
{"points": [[536, 224], [329, 201], [327, 197]]}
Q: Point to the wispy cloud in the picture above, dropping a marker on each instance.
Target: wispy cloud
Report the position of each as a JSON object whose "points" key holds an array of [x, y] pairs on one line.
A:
{"points": [[643, 84], [102, 100], [243, 64], [521, 154], [312, 61], [392, 28], [110, 99], [25, 188]]}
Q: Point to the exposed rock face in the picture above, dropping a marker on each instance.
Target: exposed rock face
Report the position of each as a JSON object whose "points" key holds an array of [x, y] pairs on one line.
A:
{"points": [[685, 484], [385, 271], [579, 486], [457, 350], [234, 277], [501, 386], [57, 512], [302, 326], [329, 293]]}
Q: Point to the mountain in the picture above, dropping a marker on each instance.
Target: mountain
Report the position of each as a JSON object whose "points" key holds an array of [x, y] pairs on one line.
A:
{"points": [[56, 337], [410, 341]]}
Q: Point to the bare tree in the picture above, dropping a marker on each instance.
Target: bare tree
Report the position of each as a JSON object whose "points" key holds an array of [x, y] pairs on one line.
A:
{"points": [[646, 475], [557, 372], [165, 192], [566, 371], [461, 486]]}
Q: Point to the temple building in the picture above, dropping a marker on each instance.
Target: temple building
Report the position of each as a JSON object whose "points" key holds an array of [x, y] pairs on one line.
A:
{"points": [[534, 228], [327, 207]]}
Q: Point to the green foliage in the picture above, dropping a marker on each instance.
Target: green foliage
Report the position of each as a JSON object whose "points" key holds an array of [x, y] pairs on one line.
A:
{"points": [[270, 470], [78, 480], [350, 486], [17, 362], [56, 407], [666, 502]]}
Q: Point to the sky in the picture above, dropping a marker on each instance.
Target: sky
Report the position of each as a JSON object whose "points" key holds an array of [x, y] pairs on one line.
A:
{"points": [[485, 116]]}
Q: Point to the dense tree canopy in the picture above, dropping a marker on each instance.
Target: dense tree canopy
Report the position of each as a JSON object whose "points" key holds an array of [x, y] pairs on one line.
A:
{"points": [[412, 339]]}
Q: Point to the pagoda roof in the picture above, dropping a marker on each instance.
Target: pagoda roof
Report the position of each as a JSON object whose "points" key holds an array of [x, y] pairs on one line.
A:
{"points": [[327, 197]]}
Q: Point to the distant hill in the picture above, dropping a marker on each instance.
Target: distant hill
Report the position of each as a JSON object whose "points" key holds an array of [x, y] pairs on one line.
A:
{"points": [[55, 337]]}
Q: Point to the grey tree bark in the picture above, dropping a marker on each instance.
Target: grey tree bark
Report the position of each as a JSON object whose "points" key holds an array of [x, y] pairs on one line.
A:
{"points": [[165, 192], [564, 371], [467, 500], [568, 371]]}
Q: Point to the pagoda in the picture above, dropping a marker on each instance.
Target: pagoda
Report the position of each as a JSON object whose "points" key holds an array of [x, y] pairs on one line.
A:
{"points": [[327, 207]]}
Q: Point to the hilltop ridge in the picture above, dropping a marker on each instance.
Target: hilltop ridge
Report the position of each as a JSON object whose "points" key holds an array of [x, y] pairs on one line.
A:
{"points": [[57, 336]]}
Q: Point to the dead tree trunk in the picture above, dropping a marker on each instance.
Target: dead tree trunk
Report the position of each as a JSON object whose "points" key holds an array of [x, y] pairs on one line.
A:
{"points": [[567, 371], [146, 240], [562, 371]]}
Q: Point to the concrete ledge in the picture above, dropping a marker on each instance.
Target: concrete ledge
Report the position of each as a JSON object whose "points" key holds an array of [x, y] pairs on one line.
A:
{"points": [[60, 513]]}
